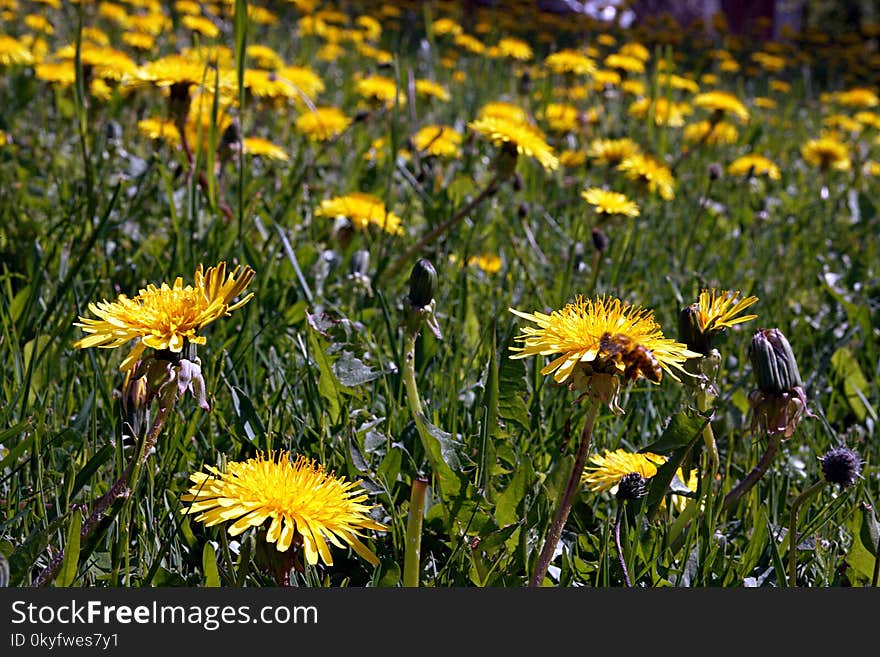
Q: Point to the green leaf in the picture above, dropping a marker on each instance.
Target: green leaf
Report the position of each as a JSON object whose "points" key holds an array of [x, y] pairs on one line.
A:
{"points": [[680, 431], [246, 415], [97, 460], [511, 387], [870, 532], [22, 559], [390, 466], [209, 567], [509, 501], [351, 371], [855, 385], [328, 386], [67, 572], [14, 452], [4, 571], [756, 544], [860, 558], [448, 447]]}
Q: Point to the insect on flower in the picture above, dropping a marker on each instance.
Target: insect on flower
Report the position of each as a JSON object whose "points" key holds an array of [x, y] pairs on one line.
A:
{"points": [[636, 358]]}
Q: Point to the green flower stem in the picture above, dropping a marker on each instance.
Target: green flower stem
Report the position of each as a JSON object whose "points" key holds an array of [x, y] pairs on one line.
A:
{"points": [[792, 529], [123, 486], [412, 556], [618, 521], [594, 275], [708, 435], [428, 239], [412, 393], [755, 475], [564, 509]]}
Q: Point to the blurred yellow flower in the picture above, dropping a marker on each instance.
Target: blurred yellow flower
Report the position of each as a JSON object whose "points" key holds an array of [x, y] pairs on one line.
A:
{"points": [[754, 165], [610, 203], [362, 210]]}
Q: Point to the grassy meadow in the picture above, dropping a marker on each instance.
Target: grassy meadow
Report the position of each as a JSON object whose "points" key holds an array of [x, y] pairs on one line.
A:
{"points": [[389, 181]]}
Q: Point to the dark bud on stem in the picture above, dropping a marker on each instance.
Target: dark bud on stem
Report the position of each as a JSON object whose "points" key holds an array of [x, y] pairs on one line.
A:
{"points": [[632, 486], [773, 361], [841, 466], [600, 240], [422, 283], [714, 171], [780, 400]]}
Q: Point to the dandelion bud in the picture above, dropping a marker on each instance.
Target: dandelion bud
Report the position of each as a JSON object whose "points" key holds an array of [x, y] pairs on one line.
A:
{"points": [[113, 132], [523, 210], [714, 171], [690, 330], [505, 161], [632, 486], [422, 283], [600, 240], [779, 401], [524, 84], [773, 361], [841, 465], [232, 135]]}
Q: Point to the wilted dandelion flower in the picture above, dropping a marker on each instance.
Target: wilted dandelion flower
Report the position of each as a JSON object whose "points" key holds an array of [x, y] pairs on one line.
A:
{"points": [[322, 123], [609, 468], [826, 153], [600, 341], [166, 317], [611, 203], [656, 176], [527, 139], [302, 503], [754, 165], [362, 210]]}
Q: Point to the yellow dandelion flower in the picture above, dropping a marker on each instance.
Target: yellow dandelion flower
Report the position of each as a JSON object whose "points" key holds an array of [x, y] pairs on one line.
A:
{"points": [[868, 119], [569, 61], [39, 23], [665, 112], [526, 138], [371, 27], [444, 26], [720, 309], [656, 176], [572, 159], [469, 43], [871, 168], [780, 86], [438, 140], [842, 122], [505, 111], [770, 63], [157, 128], [303, 79], [322, 124], [857, 97], [488, 262], [264, 56], [826, 153], [380, 90], [624, 63], [166, 317], [635, 49], [677, 82], [562, 117], [711, 133], [301, 501], [515, 49], [754, 165], [201, 24], [265, 148], [61, 73], [13, 52], [610, 467], [764, 103], [611, 203], [605, 78], [139, 40], [601, 336], [612, 151], [721, 103], [361, 210], [431, 89]]}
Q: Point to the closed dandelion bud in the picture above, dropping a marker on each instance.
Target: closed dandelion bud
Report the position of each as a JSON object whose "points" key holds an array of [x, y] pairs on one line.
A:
{"points": [[632, 486], [714, 171], [773, 361], [780, 400], [524, 86], [523, 210], [841, 465], [689, 330], [232, 135], [517, 183], [422, 283]]}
